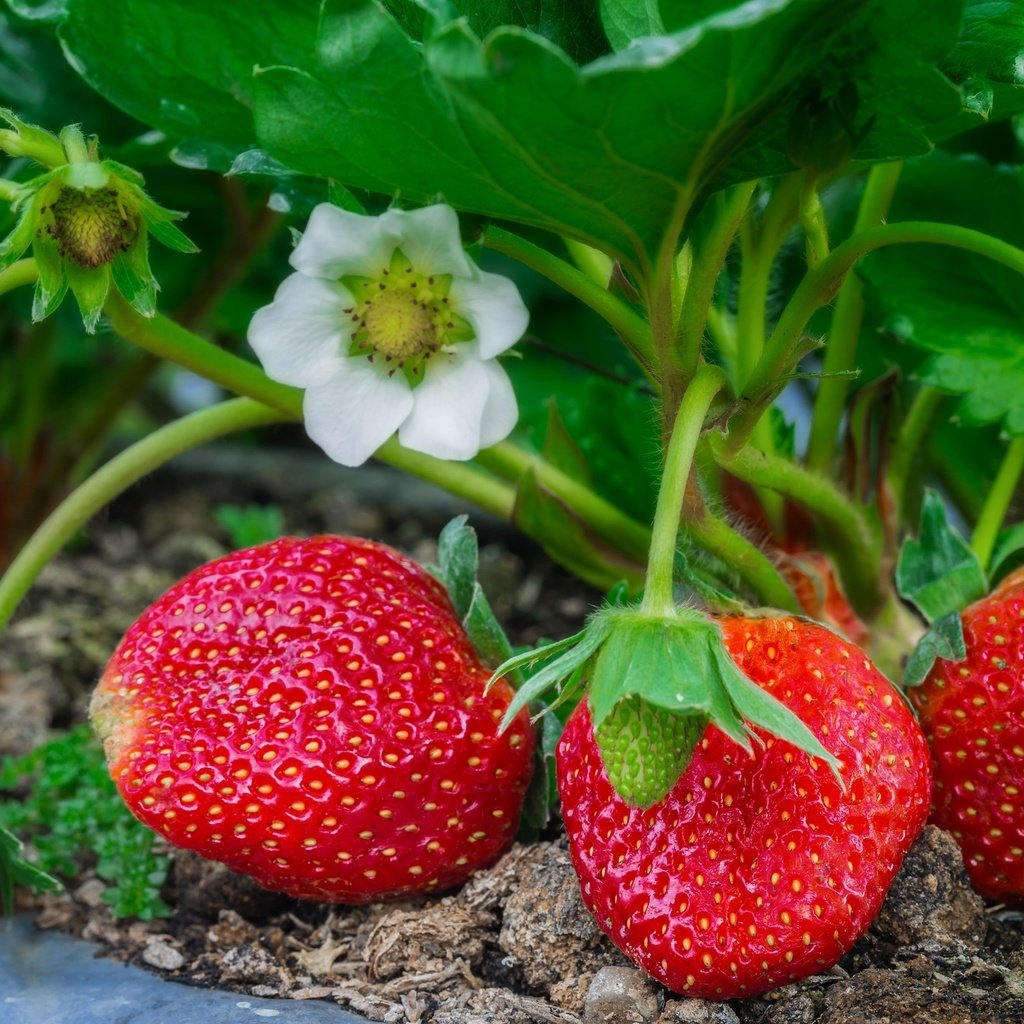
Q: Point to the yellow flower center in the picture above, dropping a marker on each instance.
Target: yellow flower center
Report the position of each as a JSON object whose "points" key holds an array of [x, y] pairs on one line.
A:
{"points": [[398, 326], [402, 318], [91, 225]]}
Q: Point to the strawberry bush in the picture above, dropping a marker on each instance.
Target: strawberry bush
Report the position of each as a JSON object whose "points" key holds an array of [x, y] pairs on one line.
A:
{"points": [[718, 303]]}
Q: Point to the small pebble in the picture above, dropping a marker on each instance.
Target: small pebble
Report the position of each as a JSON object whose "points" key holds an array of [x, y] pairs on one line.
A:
{"points": [[162, 956], [621, 995]]}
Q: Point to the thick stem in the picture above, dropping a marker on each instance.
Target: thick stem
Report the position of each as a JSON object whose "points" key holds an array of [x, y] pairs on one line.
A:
{"points": [[997, 501], [689, 422], [114, 477], [626, 323], [168, 340], [852, 541], [847, 317]]}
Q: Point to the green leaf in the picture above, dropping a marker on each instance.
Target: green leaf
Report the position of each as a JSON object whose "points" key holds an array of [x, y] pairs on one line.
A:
{"points": [[249, 525], [560, 450], [484, 630], [185, 68], [1008, 553], [513, 129], [966, 312], [626, 20], [937, 570], [457, 553], [15, 871], [986, 64], [944, 639], [542, 793]]}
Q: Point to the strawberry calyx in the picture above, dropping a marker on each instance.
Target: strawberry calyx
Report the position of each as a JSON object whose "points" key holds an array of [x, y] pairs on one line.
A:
{"points": [[940, 575], [654, 683]]}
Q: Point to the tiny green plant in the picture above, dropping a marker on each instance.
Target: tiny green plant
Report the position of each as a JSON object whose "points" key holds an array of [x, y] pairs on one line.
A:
{"points": [[61, 798], [249, 525]]}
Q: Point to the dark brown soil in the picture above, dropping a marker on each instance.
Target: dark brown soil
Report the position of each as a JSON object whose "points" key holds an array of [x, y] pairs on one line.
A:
{"points": [[513, 945]]}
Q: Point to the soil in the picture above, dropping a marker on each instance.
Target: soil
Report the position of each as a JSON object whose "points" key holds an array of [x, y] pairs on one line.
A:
{"points": [[515, 944]]}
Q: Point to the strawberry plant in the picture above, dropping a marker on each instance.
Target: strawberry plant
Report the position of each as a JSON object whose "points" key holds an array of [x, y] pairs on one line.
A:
{"points": [[718, 303]]}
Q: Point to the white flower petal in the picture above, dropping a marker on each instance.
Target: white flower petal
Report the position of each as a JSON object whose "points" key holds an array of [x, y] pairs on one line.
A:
{"points": [[492, 305], [354, 411], [500, 411], [336, 243], [301, 335], [448, 407], [430, 239]]}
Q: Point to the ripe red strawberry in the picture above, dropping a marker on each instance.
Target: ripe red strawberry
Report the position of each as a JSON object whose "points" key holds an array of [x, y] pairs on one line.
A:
{"points": [[757, 869], [311, 713], [973, 715]]}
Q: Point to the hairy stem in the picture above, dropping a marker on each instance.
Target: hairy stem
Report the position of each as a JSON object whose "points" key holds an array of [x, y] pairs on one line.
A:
{"points": [[114, 477], [689, 422], [997, 501], [844, 333]]}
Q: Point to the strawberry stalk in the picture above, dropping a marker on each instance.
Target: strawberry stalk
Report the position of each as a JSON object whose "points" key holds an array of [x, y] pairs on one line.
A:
{"points": [[997, 501]]}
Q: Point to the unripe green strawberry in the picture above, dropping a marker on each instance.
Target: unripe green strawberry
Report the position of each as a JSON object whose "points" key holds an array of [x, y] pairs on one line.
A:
{"points": [[756, 869], [311, 713], [973, 715]]}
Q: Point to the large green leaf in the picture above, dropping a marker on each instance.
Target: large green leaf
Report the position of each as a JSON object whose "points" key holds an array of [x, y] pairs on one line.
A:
{"points": [[510, 127], [187, 67], [964, 308]]}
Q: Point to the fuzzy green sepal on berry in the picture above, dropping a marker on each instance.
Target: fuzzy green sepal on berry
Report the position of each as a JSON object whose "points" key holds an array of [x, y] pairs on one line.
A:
{"points": [[940, 575], [87, 222], [675, 666]]}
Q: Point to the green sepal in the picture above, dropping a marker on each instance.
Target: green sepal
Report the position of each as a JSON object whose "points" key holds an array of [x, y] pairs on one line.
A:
{"points": [[125, 172], [937, 571], [13, 247], [944, 639], [51, 282], [133, 278], [646, 749], [90, 286], [459, 558], [15, 870], [159, 222]]}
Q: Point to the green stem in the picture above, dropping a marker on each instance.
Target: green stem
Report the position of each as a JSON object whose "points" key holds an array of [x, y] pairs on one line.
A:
{"points": [[626, 535], [851, 539], [689, 422], [847, 317], [114, 477], [821, 284], [812, 220], [746, 558], [17, 275], [997, 501], [709, 258], [632, 327], [169, 340], [9, 190], [912, 433]]}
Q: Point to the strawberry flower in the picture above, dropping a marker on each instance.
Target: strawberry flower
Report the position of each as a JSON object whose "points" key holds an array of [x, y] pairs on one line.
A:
{"points": [[389, 326], [87, 221]]}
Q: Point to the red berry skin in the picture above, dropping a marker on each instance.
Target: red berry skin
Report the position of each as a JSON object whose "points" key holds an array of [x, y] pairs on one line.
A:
{"points": [[756, 870], [973, 715], [311, 713]]}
